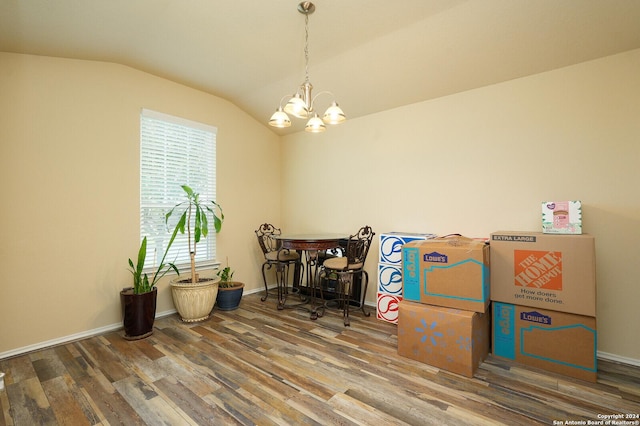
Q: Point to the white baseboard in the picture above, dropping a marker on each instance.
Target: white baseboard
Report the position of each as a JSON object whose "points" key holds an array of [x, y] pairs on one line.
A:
{"points": [[71, 338], [83, 335], [617, 358], [255, 290], [59, 341]]}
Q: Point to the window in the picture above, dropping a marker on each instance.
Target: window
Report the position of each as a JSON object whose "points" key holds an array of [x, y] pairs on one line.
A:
{"points": [[174, 152]]}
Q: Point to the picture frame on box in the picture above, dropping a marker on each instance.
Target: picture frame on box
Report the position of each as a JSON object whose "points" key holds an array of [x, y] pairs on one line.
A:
{"points": [[562, 217]]}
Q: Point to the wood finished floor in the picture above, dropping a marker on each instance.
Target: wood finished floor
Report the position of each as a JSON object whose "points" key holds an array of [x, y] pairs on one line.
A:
{"points": [[258, 365]]}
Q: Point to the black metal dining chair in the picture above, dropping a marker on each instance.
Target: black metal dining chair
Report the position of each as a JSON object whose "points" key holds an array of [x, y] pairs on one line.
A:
{"points": [[275, 256], [344, 268]]}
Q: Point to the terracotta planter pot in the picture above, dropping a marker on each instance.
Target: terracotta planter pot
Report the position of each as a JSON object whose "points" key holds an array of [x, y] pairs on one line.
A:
{"points": [[139, 313], [229, 297], [194, 302]]}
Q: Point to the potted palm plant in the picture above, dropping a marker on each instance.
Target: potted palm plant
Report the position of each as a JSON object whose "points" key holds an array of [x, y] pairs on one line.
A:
{"points": [[195, 296], [139, 301], [229, 292]]}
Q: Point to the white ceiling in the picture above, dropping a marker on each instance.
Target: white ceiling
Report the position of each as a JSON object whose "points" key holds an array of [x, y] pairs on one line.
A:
{"points": [[372, 54]]}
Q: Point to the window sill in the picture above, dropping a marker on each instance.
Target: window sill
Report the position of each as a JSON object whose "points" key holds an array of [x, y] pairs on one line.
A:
{"points": [[186, 267]]}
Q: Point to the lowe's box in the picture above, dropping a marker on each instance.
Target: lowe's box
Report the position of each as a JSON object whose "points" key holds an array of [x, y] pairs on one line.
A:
{"points": [[451, 272], [450, 339], [547, 271], [551, 340]]}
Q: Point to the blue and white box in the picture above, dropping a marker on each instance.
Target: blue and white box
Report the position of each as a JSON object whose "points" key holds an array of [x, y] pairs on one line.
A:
{"points": [[389, 291], [390, 279], [391, 245]]}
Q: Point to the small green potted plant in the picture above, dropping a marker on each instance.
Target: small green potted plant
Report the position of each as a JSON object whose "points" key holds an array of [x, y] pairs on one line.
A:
{"points": [[195, 296], [139, 301], [229, 291]]}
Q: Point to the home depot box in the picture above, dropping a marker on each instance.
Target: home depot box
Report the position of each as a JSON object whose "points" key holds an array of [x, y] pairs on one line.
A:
{"points": [[547, 271], [555, 341], [450, 339], [387, 307], [562, 217], [451, 272]]}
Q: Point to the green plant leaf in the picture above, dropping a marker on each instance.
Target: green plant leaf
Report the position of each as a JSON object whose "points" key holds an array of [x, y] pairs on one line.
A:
{"points": [[217, 221], [201, 223], [204, 223], [136, 270], [198, 224], [225, 275], [144, 287], [181, 223], [188, 190], [162, 268], [142, 254]]}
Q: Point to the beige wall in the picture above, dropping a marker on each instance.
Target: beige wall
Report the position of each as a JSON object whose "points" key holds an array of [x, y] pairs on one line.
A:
{"points": [[483, 161], [69, 167]]}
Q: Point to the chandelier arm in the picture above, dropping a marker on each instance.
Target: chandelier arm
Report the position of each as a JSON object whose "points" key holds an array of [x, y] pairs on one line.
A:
{"points": [[324, 92], [283, 98]]}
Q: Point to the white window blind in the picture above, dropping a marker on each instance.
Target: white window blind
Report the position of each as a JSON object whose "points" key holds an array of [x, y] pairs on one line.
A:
{"points": [[174, 152]]}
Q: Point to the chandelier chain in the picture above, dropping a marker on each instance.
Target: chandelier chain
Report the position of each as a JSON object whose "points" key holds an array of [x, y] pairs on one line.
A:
{"points": [[306, 47]]}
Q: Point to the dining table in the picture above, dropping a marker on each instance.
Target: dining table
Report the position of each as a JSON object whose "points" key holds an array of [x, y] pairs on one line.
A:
{"points": [[309, 246]]}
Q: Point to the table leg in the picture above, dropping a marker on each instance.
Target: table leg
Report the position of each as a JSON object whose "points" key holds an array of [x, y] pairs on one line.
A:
{"points": [[313, 284], [282, 282]]}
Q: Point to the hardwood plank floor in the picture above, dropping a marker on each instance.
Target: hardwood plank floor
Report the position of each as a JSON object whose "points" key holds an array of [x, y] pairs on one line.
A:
{"points": [[258, 365]]}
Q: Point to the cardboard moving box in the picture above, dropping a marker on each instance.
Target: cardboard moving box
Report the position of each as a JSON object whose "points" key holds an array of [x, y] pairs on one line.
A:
{"points": [[547, 271], [554, 341], [387, 307], [451, 272], [390, 279], [390, 272], [391, 245], [450, 339]]}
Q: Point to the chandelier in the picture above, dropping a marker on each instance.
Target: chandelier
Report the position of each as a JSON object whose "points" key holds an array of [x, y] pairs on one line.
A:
{"points": [[301, 104]]}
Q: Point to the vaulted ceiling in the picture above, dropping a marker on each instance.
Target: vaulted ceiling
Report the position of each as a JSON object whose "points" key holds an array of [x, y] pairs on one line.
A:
{"points": [[373, 55]]}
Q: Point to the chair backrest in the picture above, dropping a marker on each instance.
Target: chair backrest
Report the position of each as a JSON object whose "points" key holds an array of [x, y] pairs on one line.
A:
{"points": [[358, 246], [265, 234]]}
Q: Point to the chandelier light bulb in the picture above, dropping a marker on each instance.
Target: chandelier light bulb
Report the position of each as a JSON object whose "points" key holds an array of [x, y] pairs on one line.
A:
{"points": [[297, 107], [315, 125], [280, 119], [334, 114]]}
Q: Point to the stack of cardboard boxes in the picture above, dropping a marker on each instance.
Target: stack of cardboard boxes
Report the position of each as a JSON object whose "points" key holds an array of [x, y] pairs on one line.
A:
{"points": [[543, 289], [443, 319], [389, 292]]}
